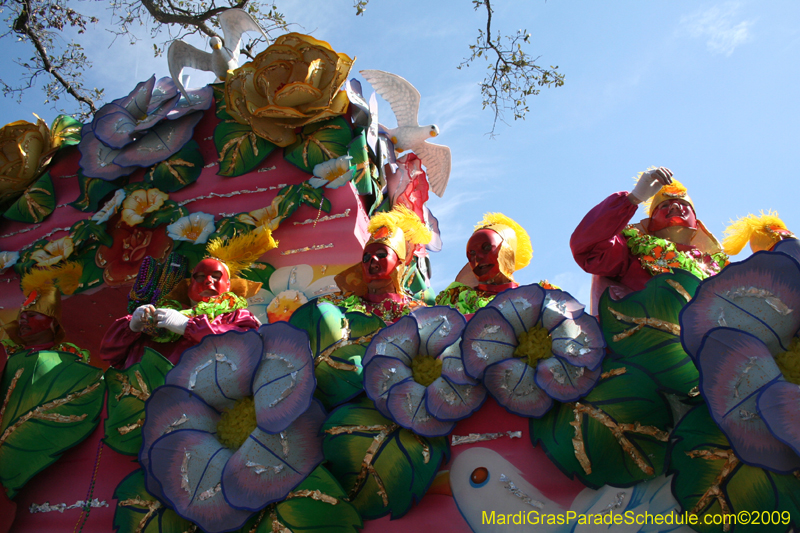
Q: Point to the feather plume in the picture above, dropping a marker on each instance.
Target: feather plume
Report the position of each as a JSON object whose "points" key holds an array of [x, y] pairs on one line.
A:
{"points": [[757, 230], [241, 251], [66, 277], [401, 217]]}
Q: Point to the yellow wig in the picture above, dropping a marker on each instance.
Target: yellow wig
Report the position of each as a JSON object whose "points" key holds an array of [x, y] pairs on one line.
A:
{"points": [[396, 227], [668, 192], [516, 251], [763, 232]]}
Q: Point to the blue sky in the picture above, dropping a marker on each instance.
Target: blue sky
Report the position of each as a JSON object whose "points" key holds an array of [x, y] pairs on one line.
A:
{"points": [[708, 89]]}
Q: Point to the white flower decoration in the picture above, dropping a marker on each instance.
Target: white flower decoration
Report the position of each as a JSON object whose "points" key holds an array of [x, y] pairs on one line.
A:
{"points": [[110, 207], [332, 173], [289, 288], [194, 228], [7, 260]]}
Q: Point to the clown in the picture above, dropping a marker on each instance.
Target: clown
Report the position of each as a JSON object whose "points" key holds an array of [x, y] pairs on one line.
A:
{"points": [[624, 256], [213, 301], [38, 326], [376, 284], [762, 232], [495, 251]]}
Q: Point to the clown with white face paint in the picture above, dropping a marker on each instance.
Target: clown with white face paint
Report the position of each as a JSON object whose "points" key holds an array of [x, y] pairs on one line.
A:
{"points": [[213, 300]]}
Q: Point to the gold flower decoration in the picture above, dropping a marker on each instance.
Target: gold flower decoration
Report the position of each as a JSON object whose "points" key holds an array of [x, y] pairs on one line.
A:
{"points": [[53, 252], [294, 82], [141, 202], [25, 150]]}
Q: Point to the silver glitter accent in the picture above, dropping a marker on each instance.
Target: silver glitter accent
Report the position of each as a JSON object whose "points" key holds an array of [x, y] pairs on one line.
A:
{"points": [[751, 362], [558, 374], [196, 371], [293, 276], [616, 504], [481, 354], [326, 290], [472, 438], [275, 357], [61, 507], [312, 248], [174, 425], [754, 292], [323, 219], [210, 493], [744, 414], [222, 358], [185, 471], [490, 328], [260, 469], [559, 306], [231, 194], [284, 445], [387, 374], [287, 391], [721, 320], [509, 485], [524, 304]]}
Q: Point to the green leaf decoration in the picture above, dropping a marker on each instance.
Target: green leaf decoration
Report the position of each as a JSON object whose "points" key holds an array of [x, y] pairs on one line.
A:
{"points": [[290, 199], [139, 512], [35, 204], [84, 231], [127, 392], [53, 403], [169, 213], [65, 131], [310, 514], [363, 176], [402, 467], [240, 150], [699, 454], [260, 272], [93, 190], [25, 263], [92, 274], [314, 197], [194, 253], [178, 171], [655, 346], [221, 103], [626, 400], [318, 143], [227, 227], [338, 360]]}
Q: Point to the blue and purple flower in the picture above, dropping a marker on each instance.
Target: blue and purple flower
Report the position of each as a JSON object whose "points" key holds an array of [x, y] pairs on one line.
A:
{"points": [[414, 373], [234, 428], [741, 329], [530, 346]]}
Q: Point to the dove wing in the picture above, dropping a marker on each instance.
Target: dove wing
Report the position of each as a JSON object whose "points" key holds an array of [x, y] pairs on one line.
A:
{"points": [[436, 159], [401, 95], [234, 23], [181, 55]]}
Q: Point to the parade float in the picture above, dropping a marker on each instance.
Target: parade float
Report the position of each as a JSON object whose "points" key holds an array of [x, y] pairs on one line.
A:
{"points": [[218, 317]]}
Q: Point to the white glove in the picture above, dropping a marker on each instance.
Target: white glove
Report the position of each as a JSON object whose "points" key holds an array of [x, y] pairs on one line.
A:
{"points": [[140, 317], [172, 320], [649, 184]]}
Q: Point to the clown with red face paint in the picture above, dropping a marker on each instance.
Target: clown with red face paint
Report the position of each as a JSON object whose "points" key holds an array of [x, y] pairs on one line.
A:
{"points": [[214, 301], [376, 285], [498, 248], [624, 256]]}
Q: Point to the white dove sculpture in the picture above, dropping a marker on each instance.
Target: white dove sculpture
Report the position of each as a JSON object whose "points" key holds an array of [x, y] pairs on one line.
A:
{"points": [[409, 135], [224, 55]]}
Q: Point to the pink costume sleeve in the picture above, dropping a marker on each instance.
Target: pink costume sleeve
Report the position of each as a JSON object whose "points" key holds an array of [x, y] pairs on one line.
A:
{"points": [[199, 326], [119, 341], [596, 243]]}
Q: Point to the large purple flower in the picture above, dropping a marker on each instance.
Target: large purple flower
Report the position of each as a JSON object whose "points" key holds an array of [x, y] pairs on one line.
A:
{"points": [[741, 328], [131, 132], [531, 346], [414, 373], [235, 427]]}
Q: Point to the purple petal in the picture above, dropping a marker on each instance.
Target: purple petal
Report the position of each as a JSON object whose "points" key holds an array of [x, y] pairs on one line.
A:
{"points": [[558, 306], [137, 102], [380, 375], [790, 247], [734, 367], [113, 126], [220, 369], [170, 408], [267, 467], [563, 381], [201, 99], [453, 366], [512, 384], [779, 407], [521, 306], [760, 295], [488, 338], [579, 342], [195, 494], [450, 402], [439, 327], [97, 159], [163, 91], [157, 114], [400, 340], [407, 407], [284, 383], [163, 140]]}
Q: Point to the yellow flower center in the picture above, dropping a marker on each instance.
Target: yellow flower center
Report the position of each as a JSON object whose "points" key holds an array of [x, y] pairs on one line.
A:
{"points": [[336, 173], [425, 369], [789, 362], [284, 305], [534, 344], [236, 424]]}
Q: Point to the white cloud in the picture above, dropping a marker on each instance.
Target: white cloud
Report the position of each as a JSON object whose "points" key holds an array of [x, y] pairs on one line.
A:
{"points": [[720, 26]]}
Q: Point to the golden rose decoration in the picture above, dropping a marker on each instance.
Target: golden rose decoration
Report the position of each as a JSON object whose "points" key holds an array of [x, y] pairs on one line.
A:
{"points": [[25, 150], [294, 82], [53, 252], [140, 203]]}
